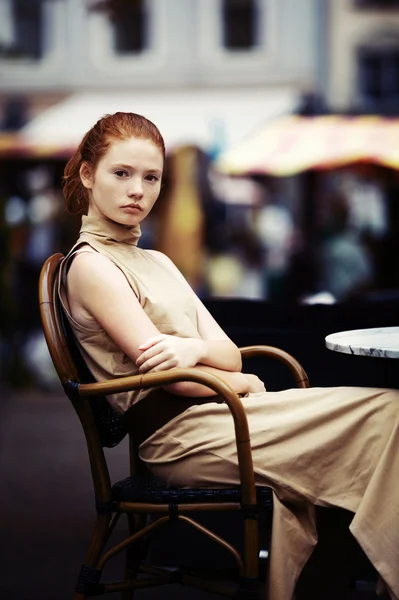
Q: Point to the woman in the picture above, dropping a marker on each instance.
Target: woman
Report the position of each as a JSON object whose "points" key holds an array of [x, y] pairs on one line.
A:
{"points": [[132, 311]]}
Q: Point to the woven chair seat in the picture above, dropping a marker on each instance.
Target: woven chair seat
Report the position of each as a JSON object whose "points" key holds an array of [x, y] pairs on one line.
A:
{"points": [[151, 489]]}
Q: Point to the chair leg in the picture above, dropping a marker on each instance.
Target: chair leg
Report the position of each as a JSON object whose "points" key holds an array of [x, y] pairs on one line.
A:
{"points": [[134, 553], [249, 584], [89, 574], [248, 589]]}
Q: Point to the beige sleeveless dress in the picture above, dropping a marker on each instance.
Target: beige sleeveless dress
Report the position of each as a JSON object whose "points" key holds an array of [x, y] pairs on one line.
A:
{"points": [[325, 446]]}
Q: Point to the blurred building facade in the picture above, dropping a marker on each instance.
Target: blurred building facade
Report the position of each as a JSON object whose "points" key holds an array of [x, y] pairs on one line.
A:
{"points": [[52, 48], [361, 58], [348, 50]]}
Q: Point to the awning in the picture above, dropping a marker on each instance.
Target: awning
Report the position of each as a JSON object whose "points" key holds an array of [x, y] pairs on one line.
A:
{"points": [[292, 144], [210, 119]]}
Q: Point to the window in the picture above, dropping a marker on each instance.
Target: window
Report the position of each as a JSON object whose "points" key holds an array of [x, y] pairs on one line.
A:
{"points": [[240, 24], [379, 78], [129, 21], [237, 38], [21, 29], [130, 32]]}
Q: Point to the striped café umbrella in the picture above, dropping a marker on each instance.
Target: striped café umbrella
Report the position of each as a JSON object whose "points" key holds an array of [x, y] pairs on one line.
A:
{"points": [[292, 144]]}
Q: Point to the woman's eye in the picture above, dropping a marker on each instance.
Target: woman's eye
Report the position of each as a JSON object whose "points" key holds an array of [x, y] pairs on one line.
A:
{"points": [[152, 178], [121, 173]]}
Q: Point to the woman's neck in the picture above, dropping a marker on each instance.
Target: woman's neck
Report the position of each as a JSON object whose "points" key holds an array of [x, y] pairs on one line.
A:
{"points": [[103, 227]]}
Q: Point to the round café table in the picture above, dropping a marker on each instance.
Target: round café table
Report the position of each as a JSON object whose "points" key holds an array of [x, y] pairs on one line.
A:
{"points": [[378, 342], [381, 342]]}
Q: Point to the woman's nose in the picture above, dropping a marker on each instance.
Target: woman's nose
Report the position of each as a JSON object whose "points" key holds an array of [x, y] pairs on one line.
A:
{"points": [[135, 188]]}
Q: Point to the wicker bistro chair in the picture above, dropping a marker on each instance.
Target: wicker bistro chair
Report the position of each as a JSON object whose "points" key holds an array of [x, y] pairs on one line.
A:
{"points": [[140, 495]]}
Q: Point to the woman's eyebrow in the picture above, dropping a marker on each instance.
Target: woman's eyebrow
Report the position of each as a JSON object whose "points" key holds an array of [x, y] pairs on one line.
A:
{"points": [[121, 166]]}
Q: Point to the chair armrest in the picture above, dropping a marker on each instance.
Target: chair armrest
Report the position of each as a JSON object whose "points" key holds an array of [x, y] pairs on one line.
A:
{"points": [[295, 367], [232, 400]]}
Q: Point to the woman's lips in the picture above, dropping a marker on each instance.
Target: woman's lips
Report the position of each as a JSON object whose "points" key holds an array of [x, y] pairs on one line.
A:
{"points": [[132, 208]]}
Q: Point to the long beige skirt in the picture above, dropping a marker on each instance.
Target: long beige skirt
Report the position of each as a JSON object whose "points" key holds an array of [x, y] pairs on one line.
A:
{"points": [[319, 446]]}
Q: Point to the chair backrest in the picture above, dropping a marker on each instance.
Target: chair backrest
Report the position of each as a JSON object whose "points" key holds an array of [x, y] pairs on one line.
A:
{"points": [[68, 361]]}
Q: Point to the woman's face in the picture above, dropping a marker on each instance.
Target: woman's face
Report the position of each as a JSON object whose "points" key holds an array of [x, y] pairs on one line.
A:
{"points": [[126, 183]]}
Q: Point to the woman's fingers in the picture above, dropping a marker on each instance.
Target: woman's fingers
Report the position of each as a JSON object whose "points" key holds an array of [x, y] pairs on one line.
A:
{"points": [[151, 342], [157, 358], [166, 352], [153, 365], [148, 354]]}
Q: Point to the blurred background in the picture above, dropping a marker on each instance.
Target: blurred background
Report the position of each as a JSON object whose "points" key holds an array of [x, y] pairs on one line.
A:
{"points": [[280, 205], [281, 125], [280, 120]]}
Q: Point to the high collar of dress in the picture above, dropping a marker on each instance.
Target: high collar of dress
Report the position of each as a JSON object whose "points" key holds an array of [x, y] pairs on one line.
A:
{"points": [[110, 230]]}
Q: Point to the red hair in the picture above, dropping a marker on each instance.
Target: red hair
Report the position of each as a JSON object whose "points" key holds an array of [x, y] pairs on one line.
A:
{"points": [[94, 145]]}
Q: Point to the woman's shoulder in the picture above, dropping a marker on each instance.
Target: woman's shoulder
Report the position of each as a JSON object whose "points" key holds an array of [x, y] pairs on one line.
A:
{"points": [[86, 255], [89, 263], [163, 259], [168, 264]]}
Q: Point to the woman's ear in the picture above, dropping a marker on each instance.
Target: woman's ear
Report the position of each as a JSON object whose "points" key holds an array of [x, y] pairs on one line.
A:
{"points": [[86, 176]]}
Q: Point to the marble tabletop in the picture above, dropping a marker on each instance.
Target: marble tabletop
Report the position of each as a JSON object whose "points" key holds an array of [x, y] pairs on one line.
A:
{"points": [[380, 342]]}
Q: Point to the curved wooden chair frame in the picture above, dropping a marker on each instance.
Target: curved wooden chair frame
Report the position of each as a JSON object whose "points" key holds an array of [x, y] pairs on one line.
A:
{"points": [[139, 500]]}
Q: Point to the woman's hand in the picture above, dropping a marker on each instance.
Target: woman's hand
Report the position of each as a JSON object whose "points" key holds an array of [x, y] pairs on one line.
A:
{"points": [[255, 384], [164, 352]]}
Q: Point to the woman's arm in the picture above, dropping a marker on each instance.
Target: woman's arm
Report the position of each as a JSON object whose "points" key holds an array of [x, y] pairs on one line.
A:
{"points": [[242, 383], [164, 351], [98, 292], [214, 348]]}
